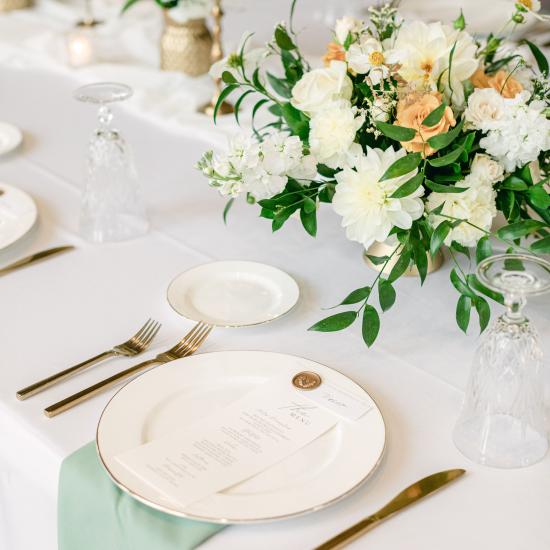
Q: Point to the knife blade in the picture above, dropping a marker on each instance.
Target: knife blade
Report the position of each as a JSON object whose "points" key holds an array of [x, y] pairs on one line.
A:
{"points": [[23, 262], [405, 498]]}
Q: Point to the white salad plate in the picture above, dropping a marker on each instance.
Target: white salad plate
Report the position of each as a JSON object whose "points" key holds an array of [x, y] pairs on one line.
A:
{"points": [[186, 391], [18, 214], [10, 137], [233, 294]]}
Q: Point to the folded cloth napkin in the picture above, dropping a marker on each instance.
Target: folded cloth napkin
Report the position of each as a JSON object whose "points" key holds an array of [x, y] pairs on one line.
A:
{"points": [[94, 514]]}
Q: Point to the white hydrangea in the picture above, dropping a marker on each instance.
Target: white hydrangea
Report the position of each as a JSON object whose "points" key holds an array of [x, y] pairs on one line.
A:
{"points": [[332, 134], [368, 213], [476, 205], [259, 168]]}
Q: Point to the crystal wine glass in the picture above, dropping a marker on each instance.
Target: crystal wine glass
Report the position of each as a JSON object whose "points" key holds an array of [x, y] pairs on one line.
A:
{"points": [[502, 423], [112, 204]]}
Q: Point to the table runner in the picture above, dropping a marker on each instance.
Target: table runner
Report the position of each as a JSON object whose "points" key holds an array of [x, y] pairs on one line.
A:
{"points": [[93, 513]]}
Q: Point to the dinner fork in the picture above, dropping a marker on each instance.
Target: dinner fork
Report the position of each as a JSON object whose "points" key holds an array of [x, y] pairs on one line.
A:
{"points": [[137, 344], [188, 345]]}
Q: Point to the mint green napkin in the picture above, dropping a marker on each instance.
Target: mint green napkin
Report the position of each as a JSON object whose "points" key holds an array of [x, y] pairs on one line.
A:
{"points": [[94, 514]]}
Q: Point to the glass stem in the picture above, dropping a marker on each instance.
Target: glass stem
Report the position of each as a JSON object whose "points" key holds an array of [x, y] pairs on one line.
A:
{"points": [[514, 308], [104, 117]]}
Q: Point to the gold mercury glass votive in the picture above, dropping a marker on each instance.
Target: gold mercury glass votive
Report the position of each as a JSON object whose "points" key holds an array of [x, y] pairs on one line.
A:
{"points": [[9, 5]]}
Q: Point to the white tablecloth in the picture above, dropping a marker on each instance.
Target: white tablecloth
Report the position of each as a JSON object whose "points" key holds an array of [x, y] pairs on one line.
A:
{"points": [[65, 309]]}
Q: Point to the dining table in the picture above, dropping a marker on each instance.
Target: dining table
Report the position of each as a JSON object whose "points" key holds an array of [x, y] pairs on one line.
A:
{"points": [[58, 312]]}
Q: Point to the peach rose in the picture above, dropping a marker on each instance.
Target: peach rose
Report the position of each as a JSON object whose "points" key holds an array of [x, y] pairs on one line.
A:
{"points": [[334, 52], [506, 85], [412, 110]]}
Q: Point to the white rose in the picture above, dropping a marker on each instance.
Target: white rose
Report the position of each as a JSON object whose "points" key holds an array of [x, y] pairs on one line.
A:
{"points": [[486, 169], [316, 89], [332, 133], [347, 25], [485, 108]]}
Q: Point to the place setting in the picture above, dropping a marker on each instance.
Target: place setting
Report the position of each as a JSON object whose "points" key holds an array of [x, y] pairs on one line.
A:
{"points": [[429, 143]]}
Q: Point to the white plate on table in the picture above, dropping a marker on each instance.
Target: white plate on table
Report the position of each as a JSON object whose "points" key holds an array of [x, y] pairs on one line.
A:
{"points": [[18, 214], [180, 393], [233, 294], [10, 137]]}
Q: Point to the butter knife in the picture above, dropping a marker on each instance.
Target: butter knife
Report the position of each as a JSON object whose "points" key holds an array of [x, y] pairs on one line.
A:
{"points": [[35, 258], [410, 495]]}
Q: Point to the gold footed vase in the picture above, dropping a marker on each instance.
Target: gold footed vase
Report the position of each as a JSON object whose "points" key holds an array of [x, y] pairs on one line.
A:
{"points": [[185, 47], [383, 249], [9, 5]]}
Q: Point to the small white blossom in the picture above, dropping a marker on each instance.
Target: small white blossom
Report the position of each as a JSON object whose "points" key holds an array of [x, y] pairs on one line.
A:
{"points": [[368, 57], [368, 213], [345, 26]]}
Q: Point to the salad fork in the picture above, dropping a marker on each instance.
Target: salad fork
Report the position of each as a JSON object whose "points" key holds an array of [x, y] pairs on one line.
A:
{"points": [[137, 344], [185, 347]]}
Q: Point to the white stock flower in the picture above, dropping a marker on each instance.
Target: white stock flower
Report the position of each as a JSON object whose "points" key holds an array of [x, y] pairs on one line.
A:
{"points": [[519, 135], [368, 213], [485, 169], [346, 25], [476, 205], [251, 58], [423, 51], [332, 133], [485, 108], [322, 86], [367, 57]]}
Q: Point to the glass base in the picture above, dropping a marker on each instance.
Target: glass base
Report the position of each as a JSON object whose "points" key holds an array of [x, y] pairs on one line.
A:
{"points": [[500, 441], [121, 228]]}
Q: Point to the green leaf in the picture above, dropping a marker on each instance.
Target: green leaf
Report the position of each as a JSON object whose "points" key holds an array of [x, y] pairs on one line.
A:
{"points": [[420, 259], [398, 133], [228, 77], [127, 5], [358, 295], [377, 260], [279, 85], [525, 174], [463, 307], [401, 265], [460, 285], [483, 312], [435, 116], [266, 213], [296, 123], [309, 221], [442, 140], [224, 93], [483, 249], [325, 171], [283, 40], [309, 205], [542, 246], [461, 249], [257, 106], [459, 23], [513, 183], [540, 58], [519, 229], [438, 236], [474, 283], [440, 188], [539, 196], [238, 104], [371, 325], [447, 159], [227, 208], [386, 294], [409, 187], [339, 321], [402, 166]]}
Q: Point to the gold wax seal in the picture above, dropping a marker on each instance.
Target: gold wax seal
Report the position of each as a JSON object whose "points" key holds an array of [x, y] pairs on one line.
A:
{"points": [[306, 380]]}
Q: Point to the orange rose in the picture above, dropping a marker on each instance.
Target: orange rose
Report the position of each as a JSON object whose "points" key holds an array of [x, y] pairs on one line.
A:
{"points": [[412, 110], [334, 52], [506, 85]]}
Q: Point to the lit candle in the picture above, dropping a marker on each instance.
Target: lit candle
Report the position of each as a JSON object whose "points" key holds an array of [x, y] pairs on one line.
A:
{"points": [[80, 49]]}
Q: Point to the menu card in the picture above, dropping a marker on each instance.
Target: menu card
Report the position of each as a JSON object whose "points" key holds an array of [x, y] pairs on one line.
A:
{"points": [[245, 438]]}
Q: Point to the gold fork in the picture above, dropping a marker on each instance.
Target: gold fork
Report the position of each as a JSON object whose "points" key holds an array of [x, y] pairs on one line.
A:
{"points": [[137, 344], [186, 346]]}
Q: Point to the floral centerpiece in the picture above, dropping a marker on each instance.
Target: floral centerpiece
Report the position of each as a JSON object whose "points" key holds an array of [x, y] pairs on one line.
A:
{"points": [[416, 133]]}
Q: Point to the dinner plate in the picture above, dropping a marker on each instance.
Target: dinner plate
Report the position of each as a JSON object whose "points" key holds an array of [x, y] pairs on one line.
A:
{"points": [[18, 214], [10, 137], [233, 294], [185, 391]]}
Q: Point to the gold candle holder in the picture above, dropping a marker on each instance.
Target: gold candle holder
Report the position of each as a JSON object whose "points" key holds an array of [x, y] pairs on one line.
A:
{"points": [[216, 55], [9, 5]]}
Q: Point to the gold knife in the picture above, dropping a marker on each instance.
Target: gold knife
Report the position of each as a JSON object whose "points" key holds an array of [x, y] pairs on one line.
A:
{"points": [[35, 258], [410, 495]]}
